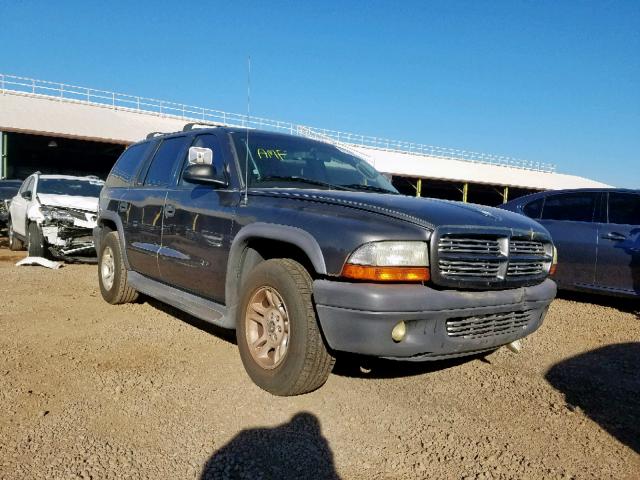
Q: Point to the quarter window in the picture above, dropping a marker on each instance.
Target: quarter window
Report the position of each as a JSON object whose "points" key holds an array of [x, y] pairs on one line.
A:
{"points": [[574, 207], [624, 208], [127, 165], [161, 170]]}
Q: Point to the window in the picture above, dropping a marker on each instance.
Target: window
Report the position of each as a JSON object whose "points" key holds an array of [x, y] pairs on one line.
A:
{"points": [[127, 165], [63, 186], [27, 185], [210, 141], [574, 207], [533, 209], [624, 208], [161, 169]]}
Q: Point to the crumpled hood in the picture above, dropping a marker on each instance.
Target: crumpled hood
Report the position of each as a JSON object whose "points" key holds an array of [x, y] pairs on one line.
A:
{"points": [[88, 204], [427, 212]]}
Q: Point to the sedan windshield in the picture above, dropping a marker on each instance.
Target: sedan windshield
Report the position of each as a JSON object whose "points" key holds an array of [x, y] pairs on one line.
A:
{"points": [[282, 161], [63, 186]]}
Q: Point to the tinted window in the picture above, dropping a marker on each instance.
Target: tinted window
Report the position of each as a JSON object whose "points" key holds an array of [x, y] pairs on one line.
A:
{"points": [[63, 186], [211, 141], [624, 208], [576, 207], [127, 165], [533, 209], [161, 169]]}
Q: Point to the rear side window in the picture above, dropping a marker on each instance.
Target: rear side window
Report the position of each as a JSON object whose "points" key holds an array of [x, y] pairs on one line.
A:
{"points": [[533, 209], [126, 166], [624, 208], [162, 166], [574, 207]]}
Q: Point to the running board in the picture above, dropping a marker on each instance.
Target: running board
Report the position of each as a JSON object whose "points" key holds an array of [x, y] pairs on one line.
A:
{"points": [[197, 306]]}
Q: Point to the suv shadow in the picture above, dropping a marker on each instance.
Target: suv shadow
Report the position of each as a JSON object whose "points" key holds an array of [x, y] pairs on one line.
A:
{"points": [[604, 383]]}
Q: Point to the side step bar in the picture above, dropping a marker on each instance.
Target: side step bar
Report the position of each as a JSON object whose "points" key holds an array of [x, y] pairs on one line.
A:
{"points": [[197, 306]]}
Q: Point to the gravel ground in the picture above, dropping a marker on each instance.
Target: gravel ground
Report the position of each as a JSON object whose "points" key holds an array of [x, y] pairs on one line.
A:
{"points": [[90, 390]]}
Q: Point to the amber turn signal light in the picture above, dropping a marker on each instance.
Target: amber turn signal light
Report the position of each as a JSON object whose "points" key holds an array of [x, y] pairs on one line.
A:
{"points": [[386, 274], [552, 270]]}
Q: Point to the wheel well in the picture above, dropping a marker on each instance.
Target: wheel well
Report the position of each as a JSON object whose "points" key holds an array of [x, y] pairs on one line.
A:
{"points": [[255, 251], [109, 225], [268, 249]]}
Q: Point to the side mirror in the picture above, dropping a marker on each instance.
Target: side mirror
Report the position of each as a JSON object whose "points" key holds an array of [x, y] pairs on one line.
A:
{"points": [[202, 173], [26, 195], [200, 156]]}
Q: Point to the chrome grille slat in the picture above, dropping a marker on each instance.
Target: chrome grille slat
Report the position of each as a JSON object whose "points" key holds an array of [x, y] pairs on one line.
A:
{"points": [[480, 326], [478, 258]]}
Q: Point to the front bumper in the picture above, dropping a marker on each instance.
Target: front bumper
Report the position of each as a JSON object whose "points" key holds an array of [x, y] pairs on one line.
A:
{"points": [[359, 318]]}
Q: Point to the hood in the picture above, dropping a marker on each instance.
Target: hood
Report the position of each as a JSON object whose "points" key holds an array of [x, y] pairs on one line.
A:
{"points": [[88, 204], [426, 212]]}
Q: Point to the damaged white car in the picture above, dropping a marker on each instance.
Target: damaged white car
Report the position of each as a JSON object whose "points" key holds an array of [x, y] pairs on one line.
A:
{"points": [[54, 215]]}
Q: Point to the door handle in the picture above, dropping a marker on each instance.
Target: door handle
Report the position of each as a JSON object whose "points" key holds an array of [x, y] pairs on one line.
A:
{"points": [[122, 207], [169, 210], [615, 236]]}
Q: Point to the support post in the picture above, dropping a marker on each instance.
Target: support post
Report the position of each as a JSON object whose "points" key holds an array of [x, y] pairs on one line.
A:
{"points": [[3, 155], [465, 192], [419, 188], [505, 195]]}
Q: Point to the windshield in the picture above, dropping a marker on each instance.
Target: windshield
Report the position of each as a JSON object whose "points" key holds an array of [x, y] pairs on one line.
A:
{"points": [[281, 161], [63, 186]]}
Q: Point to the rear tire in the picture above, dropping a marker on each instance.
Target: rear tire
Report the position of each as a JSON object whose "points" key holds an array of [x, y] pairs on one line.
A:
{"points": [[15, 244], [277, 330], [35, 241], [112, 272]]}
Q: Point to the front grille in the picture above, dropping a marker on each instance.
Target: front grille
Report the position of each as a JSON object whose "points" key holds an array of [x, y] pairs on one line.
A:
{"points": [[461, 268], [490, 325], [525, 247], [525, 268], [469, 245], [489, 259]]}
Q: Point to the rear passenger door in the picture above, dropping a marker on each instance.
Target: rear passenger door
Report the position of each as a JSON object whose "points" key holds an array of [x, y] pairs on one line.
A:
{"points": [[144, 205], [198, 220], [618, 264], [569, 217]]}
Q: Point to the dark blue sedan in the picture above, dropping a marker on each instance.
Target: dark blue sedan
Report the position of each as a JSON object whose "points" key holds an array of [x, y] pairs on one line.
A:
{"points": [[597, 234]]}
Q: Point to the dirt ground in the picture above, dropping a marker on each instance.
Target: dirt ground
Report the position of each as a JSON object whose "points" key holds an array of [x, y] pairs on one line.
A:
{"points": [[90, 390]]}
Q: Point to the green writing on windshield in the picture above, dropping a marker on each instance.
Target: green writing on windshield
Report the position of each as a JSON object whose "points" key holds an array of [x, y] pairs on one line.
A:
{"points": [[271, 153]]}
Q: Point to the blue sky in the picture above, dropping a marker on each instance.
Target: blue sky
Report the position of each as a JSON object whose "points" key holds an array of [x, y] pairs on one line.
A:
{"points": [[543, 80]]}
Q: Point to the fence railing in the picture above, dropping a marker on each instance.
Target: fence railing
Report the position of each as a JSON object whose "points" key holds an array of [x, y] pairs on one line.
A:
{"points": [[11, 84]]}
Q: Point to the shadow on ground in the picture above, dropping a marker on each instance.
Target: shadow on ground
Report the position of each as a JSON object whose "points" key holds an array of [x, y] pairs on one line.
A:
{"points": [[629, 305], [358, 366], [293, 450], [222, 333], [605, 384]]}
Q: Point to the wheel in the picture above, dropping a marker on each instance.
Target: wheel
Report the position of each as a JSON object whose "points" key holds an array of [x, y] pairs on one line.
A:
{"points": [[35, 241], [277, 331], [15, 244], [112, 273]]}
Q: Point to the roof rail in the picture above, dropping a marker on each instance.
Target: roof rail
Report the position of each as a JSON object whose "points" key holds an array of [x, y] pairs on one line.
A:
{"points": [[155, 134], [193, 126]]}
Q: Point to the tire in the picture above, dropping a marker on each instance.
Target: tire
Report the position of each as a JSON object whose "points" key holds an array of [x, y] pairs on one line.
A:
{"points": [[15, 244], [112, 273], [288, 356], [35, 241]]}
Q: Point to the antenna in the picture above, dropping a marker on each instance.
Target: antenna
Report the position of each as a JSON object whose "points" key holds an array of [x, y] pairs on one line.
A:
{"points": [[246, 157]]}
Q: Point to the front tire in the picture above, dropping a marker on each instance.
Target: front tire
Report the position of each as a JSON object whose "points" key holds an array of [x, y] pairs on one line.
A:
{"points": [[15, 244], [35, 241], [277, 331], [112, 272]]}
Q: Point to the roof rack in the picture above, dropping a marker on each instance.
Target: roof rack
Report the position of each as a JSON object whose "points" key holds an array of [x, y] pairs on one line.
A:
{"points": [[155, 134], [193, 126]]}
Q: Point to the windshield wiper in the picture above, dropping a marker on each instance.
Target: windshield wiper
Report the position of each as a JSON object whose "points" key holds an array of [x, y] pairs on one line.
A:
{"points": [[294, 178], [369, 188]]}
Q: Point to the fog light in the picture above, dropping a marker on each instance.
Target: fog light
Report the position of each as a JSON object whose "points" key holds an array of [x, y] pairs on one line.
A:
{"points": [[399, 331]]}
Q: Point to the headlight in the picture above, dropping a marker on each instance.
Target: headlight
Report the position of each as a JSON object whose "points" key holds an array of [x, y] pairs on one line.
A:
{"points": [[51, 213], [389, 261]]}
